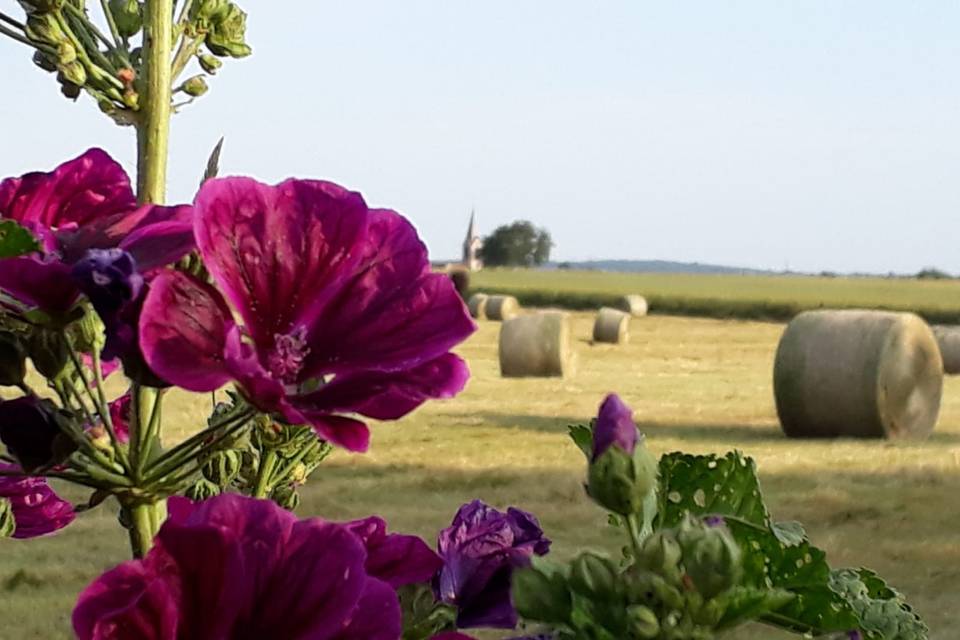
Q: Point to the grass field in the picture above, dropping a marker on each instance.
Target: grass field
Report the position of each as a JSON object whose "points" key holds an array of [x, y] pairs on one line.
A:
{"points": [[726, 296], [697, 384]]}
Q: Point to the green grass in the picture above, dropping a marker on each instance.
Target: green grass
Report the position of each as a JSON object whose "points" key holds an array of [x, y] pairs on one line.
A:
{"points": [[696, 384], [725, 296]]}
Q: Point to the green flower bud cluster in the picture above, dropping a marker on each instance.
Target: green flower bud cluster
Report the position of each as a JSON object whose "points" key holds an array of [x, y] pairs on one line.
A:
{"points": [[282, 458], [128, 16], [202, 489], [620, 481], [224, 24], [8, 523], [67, 44], [679, 588]]}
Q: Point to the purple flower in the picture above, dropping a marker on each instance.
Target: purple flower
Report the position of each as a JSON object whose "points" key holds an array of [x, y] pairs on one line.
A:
{"points": [[86, 203], [109, 278], [396, 559], [715, 521], [480, 550], [37, 510], [30, 429], [235, 567], [614, 427], [340, 311]]}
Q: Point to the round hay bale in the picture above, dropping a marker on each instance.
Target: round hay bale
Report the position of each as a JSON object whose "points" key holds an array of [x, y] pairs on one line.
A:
{"points": [[635, 305], [536, 345], [478, 305], [948, 338], [611, 325], [863, 374], [461, 280], [502, 307]]}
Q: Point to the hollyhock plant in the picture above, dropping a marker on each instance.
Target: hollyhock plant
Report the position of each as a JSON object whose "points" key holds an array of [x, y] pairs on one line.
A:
{"points": [[340, 312], [614, 427], [37, 509], [85, 204], [235, 567], [480, 551]]}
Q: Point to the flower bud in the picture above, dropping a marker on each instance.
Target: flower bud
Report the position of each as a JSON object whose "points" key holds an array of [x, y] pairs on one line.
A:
{"points": [[202, 489], [13, 360], [210, 64], [222, 467], [643, 622], [49, 352], [711, 556], [128, 16], [298, 475], [195, 86], [44, 62], [614, 427], [8, 523], [88, 333], [109, 278], [74, 73], [286, 496], [661, 553], [594, 575], [619, 481], [32, 430]]}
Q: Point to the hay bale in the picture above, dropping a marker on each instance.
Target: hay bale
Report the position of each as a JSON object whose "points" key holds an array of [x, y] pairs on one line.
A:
{"points": [[461, 280], [502, 307], [478, 305], [635, 305], [864, 374], [611, 325], [536, 345], [948, 339]]}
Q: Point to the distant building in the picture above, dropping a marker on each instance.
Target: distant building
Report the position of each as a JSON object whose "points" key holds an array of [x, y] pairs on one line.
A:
{"points": [[472, 245]]}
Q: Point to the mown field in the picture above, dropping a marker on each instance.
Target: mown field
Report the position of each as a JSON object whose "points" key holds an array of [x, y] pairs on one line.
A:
{"points": [[697, 384], [726, 296]]}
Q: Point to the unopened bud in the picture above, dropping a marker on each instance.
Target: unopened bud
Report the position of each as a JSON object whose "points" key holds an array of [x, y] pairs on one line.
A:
{"points": [[643, 622], [195, 86], [661, 553], [66, 53], [222, 467], [88, 332], [8, 523], [298, 475], [49, 352], [128, 15], [710, 555], [74, 72], [13, 360], [44, 62], [100, 439], [126, 75], [210, 64], [620, 481]]}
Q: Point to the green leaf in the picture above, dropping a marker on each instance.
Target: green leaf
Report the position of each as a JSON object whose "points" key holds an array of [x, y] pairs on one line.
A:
{"points": [[882, 612], [710, 484], [15, 240], [749, 603], [790, 533], [582, 436], [422, 615]]}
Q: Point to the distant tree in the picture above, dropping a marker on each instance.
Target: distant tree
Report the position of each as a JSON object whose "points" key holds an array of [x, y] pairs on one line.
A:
{"points": [[931, 273], [519, 244]]}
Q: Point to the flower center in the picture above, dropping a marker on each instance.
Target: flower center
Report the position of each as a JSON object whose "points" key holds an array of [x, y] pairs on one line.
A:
{"points": [[289, 351]]}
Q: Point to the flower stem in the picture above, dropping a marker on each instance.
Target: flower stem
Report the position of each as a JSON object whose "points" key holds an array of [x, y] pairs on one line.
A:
{"points": [[153, 126], [265, 474], [633, 527], [145, 520]]}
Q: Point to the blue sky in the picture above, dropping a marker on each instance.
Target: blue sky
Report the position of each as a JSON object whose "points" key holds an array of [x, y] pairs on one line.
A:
{"points": [[813, 134]]}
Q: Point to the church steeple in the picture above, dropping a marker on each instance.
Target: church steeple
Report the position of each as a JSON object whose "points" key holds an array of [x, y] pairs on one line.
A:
{"points": [[472, 244]]}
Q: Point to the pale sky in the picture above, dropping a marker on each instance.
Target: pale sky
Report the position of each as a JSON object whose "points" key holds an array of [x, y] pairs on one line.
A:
{"points": [[819, 134]]}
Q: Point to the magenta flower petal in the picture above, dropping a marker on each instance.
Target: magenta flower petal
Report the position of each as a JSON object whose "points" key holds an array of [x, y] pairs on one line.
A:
{"points": [[393, 313], [614, 427], [86, 188], [36, 508], [120, 416], [159, 244], [39, 283], [277, 251], [183, 331], [137, 599], [389, 395], [342, 431], [377, 616], [116, 231], [394, 558]]}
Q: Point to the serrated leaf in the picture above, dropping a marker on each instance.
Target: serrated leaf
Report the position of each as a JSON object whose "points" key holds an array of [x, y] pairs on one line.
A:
{"points": [[213, 162], [16, 240], [582, 436], [790, 533], [882, 612], [710, 484]]}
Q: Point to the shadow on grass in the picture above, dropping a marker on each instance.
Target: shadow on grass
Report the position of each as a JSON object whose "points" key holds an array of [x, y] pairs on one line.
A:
{"points": [[700, 432]]}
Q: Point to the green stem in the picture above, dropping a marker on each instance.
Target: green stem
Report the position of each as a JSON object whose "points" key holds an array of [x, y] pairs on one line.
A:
{"points": [[117, 41], [179, 455], [153, 127], [633, 527], [268, 463], [12, 22], [148, 425], [145, 520]]}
